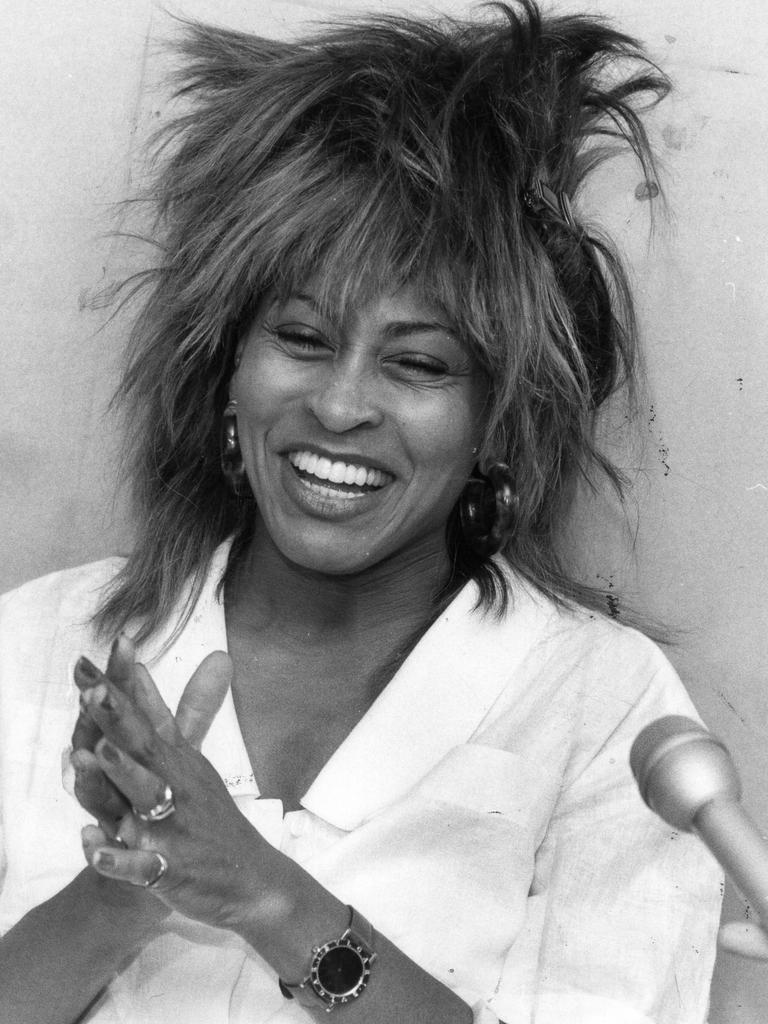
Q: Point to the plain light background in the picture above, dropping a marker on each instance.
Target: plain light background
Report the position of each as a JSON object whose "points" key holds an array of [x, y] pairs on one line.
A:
{"points": [[78, 92]]}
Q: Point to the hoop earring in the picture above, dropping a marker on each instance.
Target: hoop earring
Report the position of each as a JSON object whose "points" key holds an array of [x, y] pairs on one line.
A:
{"points": [[232, 467], [488, 509]]}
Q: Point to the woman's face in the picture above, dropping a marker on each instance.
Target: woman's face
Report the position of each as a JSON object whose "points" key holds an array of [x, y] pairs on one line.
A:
{"points": [[357, 437]]}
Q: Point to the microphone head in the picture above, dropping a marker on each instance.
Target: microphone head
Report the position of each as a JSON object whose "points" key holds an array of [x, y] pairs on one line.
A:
{"points": [[679, 767]]}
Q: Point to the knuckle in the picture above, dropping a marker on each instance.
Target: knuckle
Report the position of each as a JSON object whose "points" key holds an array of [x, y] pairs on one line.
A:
{"points": [[148, 750]]}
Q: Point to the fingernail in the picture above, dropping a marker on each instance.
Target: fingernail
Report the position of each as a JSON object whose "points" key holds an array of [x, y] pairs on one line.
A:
{"points": [[103, 859], [112, 754], [87, 668], [79, 760]]}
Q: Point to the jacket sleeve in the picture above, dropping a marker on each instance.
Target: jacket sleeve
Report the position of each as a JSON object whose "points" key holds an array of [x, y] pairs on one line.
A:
{"points": [[43, 628]]}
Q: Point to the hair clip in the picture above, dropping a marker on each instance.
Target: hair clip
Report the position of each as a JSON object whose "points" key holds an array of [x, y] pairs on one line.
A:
{"points": [[540, 197]]}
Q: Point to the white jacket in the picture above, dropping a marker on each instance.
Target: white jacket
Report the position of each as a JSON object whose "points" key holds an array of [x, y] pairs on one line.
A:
{"points": [[482, 815]]}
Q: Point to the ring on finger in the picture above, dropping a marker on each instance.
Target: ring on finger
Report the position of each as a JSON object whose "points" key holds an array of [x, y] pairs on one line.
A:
{"points": [[163, 809], [162, 867]]}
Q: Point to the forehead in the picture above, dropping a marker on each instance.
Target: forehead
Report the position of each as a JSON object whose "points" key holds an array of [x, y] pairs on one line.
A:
{"points": [[404, 303]]}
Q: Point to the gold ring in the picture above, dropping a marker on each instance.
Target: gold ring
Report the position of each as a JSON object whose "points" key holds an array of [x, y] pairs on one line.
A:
{"points": [[162, 867], [163, 809]]}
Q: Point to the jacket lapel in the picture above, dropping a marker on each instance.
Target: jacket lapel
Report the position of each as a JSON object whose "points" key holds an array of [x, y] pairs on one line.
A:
{"points": [[435, 702]]}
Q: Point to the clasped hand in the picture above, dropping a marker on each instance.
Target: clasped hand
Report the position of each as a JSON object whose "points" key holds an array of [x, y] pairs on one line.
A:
{"points": [[127, 748]]}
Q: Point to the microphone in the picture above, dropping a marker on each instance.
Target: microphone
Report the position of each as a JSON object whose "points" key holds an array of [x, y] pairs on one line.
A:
{"points": [[687, 777]]}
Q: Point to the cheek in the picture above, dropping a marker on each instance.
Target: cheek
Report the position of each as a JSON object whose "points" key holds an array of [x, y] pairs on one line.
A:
{"points": [[454, 427], [259, 390], [441, 444], [257, 412]]}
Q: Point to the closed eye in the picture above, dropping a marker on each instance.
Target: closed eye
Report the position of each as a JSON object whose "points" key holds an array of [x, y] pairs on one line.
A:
{"points": [[298, 340], [419, 367]]}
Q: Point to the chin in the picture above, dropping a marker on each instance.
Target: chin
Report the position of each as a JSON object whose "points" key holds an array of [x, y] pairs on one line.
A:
{"points": [[337, 560]]}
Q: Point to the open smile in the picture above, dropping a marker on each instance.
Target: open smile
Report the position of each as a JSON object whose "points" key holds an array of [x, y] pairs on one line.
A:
{"points": [[334, 478]]}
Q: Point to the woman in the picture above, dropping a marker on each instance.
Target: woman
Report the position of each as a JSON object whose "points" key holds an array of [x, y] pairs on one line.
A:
{"points": [[364, 384]]}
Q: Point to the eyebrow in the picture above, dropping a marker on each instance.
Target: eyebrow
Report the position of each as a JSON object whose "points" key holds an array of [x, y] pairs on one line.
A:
{"points": [[304, 297], [401, 328], [395, 329], [279, 300]]}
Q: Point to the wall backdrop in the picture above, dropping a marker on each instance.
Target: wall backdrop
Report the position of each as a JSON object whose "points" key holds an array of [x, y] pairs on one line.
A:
{"points": [[80, 87]]}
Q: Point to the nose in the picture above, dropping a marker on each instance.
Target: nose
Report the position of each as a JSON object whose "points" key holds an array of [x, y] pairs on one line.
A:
{"points": [[347, 396]]}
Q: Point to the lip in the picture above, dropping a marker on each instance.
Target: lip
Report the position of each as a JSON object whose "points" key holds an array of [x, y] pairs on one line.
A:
{"points": [[336, 505]]}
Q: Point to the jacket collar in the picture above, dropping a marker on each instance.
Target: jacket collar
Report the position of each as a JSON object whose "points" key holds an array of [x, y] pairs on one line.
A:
{"points": [[436, 700]]}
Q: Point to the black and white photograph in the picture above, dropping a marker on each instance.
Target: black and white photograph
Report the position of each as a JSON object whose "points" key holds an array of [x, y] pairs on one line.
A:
{"points": [[384, 615]]}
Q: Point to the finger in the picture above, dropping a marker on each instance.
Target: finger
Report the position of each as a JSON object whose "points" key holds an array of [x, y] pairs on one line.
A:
{"points": [[86, 733], [744, 940], [142, 787], [119, 667], [135, 682], [86, 673], [142, 691], [125, 725], [120, 670], [93, 837], [147, 697], [201, 700], [95, 792], [138, 867], [122, 657], [128, 833], [203, 696]]}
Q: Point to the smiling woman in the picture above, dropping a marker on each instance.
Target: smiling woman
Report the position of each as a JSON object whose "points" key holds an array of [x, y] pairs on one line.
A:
{"points": [[388, 393], [361, 742]]}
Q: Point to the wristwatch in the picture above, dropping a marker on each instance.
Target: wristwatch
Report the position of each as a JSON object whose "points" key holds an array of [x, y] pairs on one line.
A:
{"points": [[340, 968]]}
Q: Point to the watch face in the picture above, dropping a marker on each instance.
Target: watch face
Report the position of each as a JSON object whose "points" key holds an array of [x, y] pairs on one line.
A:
{"points": [[340, 970]]}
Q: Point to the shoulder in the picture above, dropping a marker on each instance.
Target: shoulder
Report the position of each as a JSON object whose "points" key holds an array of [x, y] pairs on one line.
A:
{"points": [[604, 645], [63, 600], [45, 625], [592, 670], [575, 635], [577, 689], [81, 586]]}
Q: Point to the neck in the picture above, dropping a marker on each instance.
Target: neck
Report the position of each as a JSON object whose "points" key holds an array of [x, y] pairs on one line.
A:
{"points": [[393, 598]]}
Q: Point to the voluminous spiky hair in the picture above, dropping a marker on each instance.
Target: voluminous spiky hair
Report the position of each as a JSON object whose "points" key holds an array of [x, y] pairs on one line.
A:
{"points": [[364, 156]]}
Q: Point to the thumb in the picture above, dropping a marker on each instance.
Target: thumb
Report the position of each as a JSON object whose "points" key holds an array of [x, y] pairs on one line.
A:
{"points": [[203, 696], [120, 666]]}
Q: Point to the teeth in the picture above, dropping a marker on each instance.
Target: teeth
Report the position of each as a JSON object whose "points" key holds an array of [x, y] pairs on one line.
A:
{"points": [[337, 472]]}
